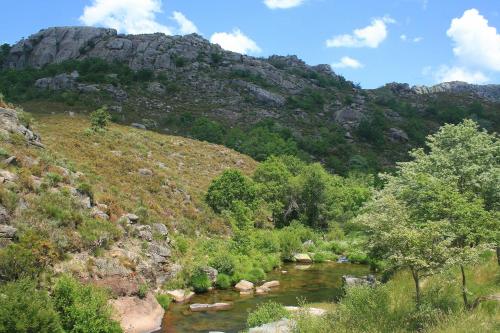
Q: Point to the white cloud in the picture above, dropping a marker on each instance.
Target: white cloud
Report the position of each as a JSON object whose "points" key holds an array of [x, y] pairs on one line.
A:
{"points": [[129, 16], [418, 39], [347, 62], [185, 25], [455, 73], [403, 37], [283, 4], [369, 36], [235, 41], [133, 17], [475, 42]]}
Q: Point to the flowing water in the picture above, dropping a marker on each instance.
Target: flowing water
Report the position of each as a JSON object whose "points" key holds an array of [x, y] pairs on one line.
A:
{"points": [[317, 283]]}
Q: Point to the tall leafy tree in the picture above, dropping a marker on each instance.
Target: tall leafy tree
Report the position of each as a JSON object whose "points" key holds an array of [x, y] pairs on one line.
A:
{"points": [[421, 248], [453, 184]]}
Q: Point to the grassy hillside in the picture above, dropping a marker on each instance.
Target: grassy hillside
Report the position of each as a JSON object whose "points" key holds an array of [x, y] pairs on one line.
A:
{"points": [[181, 169]]}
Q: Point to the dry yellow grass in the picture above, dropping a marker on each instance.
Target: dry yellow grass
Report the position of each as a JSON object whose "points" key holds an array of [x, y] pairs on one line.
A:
{"points": [[182, 169]]}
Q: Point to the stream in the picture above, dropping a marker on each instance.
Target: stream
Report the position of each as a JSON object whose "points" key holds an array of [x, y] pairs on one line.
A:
{"points": [[314, 283]]}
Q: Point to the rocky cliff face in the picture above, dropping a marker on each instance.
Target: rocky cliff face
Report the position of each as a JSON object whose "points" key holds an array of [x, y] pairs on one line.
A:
{"points": [[149, 51], [489, 92]]}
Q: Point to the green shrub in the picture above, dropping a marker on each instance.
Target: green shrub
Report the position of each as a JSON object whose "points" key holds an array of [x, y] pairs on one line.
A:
{"points": [[98, 233], [366, 309], [86, 189], [232, 185], [24, 309], [17, 262], [223, 281], [60, 208], [357, 257], [4, 153], [320, 257], [290, 243], [164, 300], [200, 281], [83, 308], [223, 263], [53, 179], [257, 274], [99, 119], [143, 290], [266, 313]]}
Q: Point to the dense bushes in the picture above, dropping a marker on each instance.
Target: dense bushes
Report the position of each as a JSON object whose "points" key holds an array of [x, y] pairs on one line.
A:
{"points": [[232, 185], [73, 308], [200, 280], [82, 308], [24, 309]]}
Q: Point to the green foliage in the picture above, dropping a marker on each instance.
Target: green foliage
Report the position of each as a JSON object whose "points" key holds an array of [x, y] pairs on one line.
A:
{"points": [[366, 309], [97, 234], [372, 129], [99, 119], [4, 52], [310, 100], [200, 280], [434, 211], [164, 300], [82, 308], [266, 313], [17, 262], [208, 130], [143, 290], [232, 185], [223, 281], [224, 263], [25, 309]]}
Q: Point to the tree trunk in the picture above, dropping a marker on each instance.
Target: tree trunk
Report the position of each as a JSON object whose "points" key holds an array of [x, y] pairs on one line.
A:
{"points": [[417, 287], [498, 255], [464, 287]]}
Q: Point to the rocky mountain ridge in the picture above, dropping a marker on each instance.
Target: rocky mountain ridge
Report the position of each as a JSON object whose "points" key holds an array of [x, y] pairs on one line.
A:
{"points": [[167, 83], [159, 51]]}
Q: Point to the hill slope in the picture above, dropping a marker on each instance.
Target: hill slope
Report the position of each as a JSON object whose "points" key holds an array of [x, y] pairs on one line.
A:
{"points": [[107, 206], [185, 85]]}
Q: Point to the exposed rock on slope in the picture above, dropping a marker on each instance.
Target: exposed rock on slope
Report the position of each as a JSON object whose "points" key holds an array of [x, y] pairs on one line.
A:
{"points": [[490, 91], [10, 124]]}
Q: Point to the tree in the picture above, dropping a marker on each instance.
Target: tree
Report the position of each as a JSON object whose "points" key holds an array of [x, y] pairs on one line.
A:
{"points": [[455, 185], [421, 248], [232, 185], [99, 119], [311, 188]]}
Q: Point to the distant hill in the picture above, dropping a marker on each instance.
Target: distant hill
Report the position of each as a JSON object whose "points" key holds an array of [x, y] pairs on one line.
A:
{"points": [[259, 106]]}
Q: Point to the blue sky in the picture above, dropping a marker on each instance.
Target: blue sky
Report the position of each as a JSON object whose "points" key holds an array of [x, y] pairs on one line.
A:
{"points": [[367, 41]]}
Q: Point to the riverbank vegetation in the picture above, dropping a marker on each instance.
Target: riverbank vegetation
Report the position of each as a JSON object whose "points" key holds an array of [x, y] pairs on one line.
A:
{"points": [[432, 229], [427, 230]]}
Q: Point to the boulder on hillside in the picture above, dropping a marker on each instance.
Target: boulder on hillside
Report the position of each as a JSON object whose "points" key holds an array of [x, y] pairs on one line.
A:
{"points": [[137, 315], [10, 124], [119, 286], [7, 231]]}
